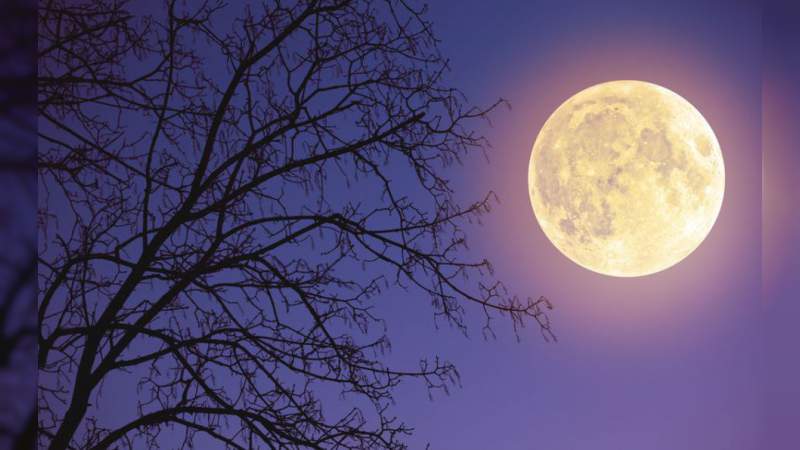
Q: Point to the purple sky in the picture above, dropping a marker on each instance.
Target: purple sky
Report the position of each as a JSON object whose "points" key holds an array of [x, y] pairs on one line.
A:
{"points": [[700, 356], [694, 357], [781, 226]]}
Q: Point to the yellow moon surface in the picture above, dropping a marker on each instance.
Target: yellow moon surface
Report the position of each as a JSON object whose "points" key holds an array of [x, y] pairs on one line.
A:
{"points": [[626, 178]]}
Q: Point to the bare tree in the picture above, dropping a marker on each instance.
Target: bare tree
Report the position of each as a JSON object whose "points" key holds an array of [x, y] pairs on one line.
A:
{"points": [[224, 193]]}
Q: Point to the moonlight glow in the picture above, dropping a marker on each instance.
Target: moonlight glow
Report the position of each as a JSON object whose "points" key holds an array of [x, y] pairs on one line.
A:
{"points": [[626, 178]]}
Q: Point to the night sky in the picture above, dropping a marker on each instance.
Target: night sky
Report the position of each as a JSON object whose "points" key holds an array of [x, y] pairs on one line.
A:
{"points": [[692, 357], [700, 356]]}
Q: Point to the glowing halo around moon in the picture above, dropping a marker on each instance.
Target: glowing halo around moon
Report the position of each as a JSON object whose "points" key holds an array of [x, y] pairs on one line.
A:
{"points": [[626, 178]]}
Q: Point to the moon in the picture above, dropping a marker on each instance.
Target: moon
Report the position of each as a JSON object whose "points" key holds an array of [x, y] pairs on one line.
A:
{"points": [[626, 178]]}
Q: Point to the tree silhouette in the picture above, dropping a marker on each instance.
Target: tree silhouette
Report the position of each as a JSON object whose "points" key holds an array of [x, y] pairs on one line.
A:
{"points": [[224, 195]]}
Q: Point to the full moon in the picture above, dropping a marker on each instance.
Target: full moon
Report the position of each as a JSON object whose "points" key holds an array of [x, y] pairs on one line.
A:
{"points": [[626, 178]]}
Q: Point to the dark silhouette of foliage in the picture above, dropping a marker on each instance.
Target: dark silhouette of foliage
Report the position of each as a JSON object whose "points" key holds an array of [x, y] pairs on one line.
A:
{"points": [[194, 239]]}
